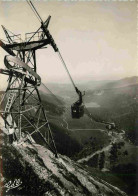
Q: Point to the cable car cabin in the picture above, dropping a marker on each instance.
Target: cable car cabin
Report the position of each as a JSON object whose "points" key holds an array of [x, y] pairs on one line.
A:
{"points": [[77, 111]]}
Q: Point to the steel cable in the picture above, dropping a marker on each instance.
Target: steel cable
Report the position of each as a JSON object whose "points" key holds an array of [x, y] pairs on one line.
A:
{"points": [[34, 10], [63, 62]]}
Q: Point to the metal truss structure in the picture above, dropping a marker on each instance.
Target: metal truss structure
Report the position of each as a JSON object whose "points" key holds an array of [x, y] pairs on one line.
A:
{"points": [[21, 105]]}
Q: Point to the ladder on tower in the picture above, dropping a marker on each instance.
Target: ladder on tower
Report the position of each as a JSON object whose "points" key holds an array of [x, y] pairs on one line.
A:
{"points": [[9, 102]]}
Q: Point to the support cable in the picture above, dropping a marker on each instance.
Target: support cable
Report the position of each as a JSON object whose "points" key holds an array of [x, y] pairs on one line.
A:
{"points": [[64, 64], [112, 124], [56, 98], [60, 56], [90, 115], [34, 10], [52, 93]]}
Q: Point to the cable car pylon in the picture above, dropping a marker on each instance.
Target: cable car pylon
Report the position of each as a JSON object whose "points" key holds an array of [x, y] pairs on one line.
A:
{"points": [[22, 106]]}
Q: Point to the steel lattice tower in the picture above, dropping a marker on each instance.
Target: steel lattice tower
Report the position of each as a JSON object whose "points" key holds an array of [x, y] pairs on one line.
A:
{"points": [[22, 105]]}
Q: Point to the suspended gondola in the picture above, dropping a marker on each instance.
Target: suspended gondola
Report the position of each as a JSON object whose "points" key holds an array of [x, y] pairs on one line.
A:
{"points": [[77, 109]]}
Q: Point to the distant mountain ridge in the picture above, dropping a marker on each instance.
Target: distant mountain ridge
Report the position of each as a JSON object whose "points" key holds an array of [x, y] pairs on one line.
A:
{"points": [[66, 89], [122, 83]]}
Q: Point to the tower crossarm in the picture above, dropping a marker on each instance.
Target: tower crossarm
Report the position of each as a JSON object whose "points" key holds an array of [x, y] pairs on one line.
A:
{"points": [[16, 73], [17, 61], [4, 46], [5, 72], [25, 46]]}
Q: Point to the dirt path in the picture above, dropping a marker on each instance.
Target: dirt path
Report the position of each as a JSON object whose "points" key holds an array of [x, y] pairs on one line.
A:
{"points": [[114, 137]]}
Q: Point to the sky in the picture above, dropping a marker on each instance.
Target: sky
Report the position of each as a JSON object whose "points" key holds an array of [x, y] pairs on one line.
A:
{"points": [[96, 39]]}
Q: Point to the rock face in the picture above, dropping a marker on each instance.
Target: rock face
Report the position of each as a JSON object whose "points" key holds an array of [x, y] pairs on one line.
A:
{"points": [[43, 174]]}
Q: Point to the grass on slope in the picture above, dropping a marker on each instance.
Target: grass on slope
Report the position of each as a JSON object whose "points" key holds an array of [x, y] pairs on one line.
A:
{"points": [[124, 180]]}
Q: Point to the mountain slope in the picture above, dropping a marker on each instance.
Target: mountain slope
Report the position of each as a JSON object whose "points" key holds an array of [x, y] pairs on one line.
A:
{"points": [[123, 82], [43, 174]]}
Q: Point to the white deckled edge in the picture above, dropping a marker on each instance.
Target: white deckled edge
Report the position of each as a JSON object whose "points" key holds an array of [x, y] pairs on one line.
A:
{"points": [[137, 38], [73, 0]]}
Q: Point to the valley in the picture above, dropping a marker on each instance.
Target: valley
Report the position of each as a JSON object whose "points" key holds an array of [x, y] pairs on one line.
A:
{"points": [[113, 102], [109, 154]]}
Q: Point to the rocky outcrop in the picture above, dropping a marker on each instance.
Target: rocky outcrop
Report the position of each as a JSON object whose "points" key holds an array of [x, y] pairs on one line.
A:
{"points": [[43, 174]]}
